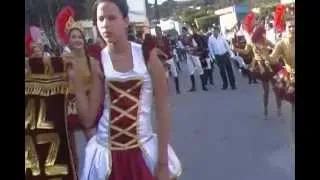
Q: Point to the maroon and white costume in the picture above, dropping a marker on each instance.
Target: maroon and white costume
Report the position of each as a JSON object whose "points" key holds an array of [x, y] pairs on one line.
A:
{"points": [[193, 61], [164, 45], [125, 146]]}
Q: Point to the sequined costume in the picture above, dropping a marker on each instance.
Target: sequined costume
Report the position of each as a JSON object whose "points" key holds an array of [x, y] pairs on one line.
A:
{"points": [[260, 67], [125, 146], [64, 24], [285, 79], [48, 151]]}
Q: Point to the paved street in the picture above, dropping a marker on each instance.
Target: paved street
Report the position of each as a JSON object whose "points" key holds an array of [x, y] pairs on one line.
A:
{"points": [[222, 135]]}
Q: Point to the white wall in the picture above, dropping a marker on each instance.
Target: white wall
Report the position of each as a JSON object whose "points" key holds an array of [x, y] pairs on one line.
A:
{"points": [[137, 11]]}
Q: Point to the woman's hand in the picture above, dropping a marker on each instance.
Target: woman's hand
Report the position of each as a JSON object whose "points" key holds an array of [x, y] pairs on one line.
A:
{"points": [[162, 172], [75, 80]]}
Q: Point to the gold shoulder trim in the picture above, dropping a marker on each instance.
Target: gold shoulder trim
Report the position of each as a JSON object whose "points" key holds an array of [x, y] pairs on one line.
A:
{"points": [[46, 85]]}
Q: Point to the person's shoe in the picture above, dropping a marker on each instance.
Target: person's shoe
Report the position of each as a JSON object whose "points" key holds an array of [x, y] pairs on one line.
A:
{"points": [[192, 90], [234, 88], [266, 114], [224, 88], [279, 113], [204, 88], [193, 83]]}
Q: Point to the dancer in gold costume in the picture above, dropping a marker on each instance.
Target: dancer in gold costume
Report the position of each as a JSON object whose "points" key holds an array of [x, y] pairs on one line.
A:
{"points": [[260, 67], [72, 34]]}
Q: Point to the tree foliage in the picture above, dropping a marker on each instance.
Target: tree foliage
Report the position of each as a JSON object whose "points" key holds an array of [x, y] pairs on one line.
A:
{"points": [[205, 22]]}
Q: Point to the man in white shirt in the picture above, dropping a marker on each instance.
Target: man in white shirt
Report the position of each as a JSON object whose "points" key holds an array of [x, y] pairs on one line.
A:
{"points": [[220, 51]]}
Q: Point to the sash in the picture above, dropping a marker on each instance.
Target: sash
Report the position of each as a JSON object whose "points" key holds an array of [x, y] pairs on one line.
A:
{"points": [[48, 153]]}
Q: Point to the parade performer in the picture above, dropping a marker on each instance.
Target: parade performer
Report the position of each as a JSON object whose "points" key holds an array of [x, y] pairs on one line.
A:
{"points": [[95, 49], [260, 67], [285, 78], [203, 52], [72, 34], [239, 41], [124, 146], [163, 43], [193, 61], [33, 46], [285, 50], [48, 154]]}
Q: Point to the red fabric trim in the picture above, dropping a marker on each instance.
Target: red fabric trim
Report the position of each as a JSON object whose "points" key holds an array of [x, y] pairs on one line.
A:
{"points": [[129, 165]]}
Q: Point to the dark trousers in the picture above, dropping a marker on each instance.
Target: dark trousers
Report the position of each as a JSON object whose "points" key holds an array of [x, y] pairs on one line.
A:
{"points": [[224, 64], [206, 76], [210, 73], [181, 55]]}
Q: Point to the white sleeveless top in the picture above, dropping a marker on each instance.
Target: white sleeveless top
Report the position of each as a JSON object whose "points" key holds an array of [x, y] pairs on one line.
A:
{"points": [[139, 71], [98, 160]]}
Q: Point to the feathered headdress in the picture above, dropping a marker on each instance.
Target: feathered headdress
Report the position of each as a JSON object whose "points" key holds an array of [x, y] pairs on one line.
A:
{"points": [[31, 40], [65, 22], [249, 22], [279, 17]]}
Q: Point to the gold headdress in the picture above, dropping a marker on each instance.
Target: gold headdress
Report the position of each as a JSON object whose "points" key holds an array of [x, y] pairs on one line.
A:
{"points": [[72, 24], [65, 22]]}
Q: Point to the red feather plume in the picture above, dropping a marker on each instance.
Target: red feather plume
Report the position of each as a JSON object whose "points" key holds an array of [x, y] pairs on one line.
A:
{"points": [[249, 21], [61, 21], [279, 17], [28, 41]]}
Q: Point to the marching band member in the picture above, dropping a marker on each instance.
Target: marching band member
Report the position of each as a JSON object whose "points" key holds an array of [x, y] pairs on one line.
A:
{"points": [[32, 49], [260, 67], [285, 78], [72, 33], [124, 146], [240, 41], [203, 53], [163, 44], [193, 61]]}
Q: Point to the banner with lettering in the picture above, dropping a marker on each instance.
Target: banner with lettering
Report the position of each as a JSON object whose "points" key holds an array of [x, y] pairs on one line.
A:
{"points": [[48, 152]]}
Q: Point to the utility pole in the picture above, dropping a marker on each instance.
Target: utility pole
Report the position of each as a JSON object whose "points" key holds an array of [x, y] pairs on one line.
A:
{"points": [[156, 11]]}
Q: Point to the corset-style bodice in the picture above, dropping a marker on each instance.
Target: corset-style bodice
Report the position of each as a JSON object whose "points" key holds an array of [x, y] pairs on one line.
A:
{"points": [[126, 119], [125, 125]]}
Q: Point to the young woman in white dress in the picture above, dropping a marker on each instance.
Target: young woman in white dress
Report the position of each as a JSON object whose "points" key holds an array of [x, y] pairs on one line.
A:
{"points": [[124, 146]]}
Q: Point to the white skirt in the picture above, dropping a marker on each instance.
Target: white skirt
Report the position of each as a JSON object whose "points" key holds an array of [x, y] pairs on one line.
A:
{"points": [[97, 165]]}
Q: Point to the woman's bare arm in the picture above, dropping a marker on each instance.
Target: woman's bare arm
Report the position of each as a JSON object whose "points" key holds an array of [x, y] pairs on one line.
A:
{"points": [[159, 82], [88, 105]]}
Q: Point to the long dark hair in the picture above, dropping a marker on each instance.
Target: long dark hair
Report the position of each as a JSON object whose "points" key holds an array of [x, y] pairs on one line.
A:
{"points": [[85, 46], [121, 4]]}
